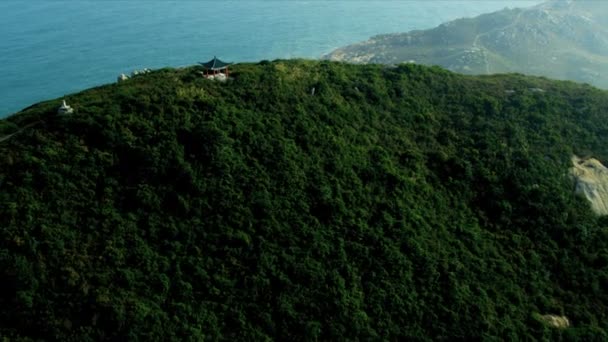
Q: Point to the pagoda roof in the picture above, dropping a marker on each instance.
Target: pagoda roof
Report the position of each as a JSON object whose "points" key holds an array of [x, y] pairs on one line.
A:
{"points": [[215, 64]]}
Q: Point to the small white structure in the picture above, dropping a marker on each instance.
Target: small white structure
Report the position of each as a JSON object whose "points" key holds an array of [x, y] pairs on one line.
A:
{"points": [[65, 109], [140, 72], [122, 78]]}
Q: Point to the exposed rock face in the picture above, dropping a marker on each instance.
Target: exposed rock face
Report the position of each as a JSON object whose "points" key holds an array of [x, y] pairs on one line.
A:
{"points": [[557, 322], [218, 77], [591, 179]]}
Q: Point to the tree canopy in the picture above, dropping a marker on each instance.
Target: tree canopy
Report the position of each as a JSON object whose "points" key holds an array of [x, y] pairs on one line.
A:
{"points": [[388, 203]]}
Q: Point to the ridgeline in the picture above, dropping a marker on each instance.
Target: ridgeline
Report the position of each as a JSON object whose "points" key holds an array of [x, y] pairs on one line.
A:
{"points": [[563, 39], [305, 200]]}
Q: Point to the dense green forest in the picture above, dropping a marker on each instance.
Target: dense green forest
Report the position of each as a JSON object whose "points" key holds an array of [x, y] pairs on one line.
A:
{"points": [[304, 200]]}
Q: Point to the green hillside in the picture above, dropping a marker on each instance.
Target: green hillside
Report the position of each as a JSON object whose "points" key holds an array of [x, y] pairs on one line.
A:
{"points": [[304, 201]]}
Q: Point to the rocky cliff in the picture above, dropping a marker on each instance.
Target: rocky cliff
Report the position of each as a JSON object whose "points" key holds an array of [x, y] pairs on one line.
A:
{"points": [[591, 178]]}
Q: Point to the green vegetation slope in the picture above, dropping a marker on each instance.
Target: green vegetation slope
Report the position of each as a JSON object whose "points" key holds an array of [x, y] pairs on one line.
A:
{"points": [[563, 39], [304, 201]]}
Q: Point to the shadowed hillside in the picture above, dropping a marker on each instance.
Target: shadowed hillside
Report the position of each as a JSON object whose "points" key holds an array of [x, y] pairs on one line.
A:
{"points": [[304, 201]]}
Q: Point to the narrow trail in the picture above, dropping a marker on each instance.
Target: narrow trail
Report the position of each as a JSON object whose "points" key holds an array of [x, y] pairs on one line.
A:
{"points": [[483, 50], [7, 137]]}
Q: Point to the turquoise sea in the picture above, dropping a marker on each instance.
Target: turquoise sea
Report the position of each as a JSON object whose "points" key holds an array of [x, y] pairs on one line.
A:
{"points": [[52, 48]]}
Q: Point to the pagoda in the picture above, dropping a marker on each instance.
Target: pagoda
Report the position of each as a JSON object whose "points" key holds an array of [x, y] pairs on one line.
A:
{"points": [[215, 66]]}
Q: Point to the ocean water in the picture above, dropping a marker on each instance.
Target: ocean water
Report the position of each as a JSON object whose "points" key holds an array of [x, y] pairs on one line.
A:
{"points": [[52, 48]]}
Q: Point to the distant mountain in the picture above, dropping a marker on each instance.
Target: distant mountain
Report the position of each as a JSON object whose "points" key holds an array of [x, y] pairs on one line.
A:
{"points": [[559, 39]]}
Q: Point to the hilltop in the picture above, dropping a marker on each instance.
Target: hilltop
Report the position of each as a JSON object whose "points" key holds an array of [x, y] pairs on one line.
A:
{"points": [[559, 39], [304, 200]]}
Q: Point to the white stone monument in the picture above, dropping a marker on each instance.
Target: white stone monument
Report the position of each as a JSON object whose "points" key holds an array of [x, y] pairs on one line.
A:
{"points": [[65, 109]]}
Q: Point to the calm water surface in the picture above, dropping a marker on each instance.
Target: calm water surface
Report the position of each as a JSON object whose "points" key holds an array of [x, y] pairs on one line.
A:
{"points": [[52, 48]]}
